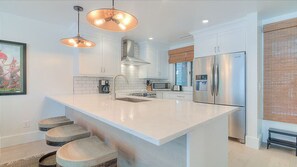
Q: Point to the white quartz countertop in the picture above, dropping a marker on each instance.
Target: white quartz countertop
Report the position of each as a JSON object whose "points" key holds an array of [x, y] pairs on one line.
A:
{"points": [[157, 121]]}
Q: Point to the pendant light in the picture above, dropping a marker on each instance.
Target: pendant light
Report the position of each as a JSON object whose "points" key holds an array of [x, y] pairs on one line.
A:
{"points": [[78, 41], [112, 19]]}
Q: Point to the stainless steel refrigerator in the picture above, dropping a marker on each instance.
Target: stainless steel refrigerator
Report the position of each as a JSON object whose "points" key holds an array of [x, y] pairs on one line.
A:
{"points": [[220, 79]]}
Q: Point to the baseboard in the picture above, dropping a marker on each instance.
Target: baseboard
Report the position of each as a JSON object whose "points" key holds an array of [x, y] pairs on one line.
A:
{"points": [[253, 142], [7, 141]]}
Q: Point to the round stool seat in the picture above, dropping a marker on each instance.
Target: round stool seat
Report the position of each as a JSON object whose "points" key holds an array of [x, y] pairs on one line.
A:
{"points": [[63, 134], [85, 153], [47, 124]]}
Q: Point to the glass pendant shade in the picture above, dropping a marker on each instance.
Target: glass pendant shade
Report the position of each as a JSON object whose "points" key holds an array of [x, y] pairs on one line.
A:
{"points": [[77, 41], [112, 19]]}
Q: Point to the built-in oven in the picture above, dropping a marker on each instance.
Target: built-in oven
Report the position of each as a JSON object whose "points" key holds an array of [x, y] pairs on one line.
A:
{"points": [[161, 86]]}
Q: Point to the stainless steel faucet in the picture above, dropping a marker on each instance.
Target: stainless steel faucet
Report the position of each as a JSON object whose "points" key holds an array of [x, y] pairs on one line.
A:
{"points": [[114, 83]]}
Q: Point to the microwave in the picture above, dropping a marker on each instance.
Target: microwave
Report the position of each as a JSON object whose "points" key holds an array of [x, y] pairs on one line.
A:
{"points": [[161, 86]]}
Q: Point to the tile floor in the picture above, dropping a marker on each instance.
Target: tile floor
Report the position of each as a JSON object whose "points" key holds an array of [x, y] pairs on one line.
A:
{"points": [[239, 155], [242, 156]]}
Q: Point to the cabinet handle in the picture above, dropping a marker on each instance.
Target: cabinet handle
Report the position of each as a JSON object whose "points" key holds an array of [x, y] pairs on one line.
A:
{"points": [[219, 49], [215, 49]]}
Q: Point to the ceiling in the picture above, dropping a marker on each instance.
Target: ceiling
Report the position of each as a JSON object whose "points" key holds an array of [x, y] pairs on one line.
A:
{"points": [[164, 20]]}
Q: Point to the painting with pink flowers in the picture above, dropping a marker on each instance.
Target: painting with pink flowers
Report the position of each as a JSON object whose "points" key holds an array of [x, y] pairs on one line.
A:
{"points": [[12, 68]]}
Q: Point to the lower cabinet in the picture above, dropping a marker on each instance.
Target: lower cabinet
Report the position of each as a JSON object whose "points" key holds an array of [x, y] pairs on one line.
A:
{"points": [[176, 95]]}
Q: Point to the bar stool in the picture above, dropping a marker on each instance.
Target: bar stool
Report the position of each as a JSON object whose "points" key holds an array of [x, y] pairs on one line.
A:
{"points": [[63, 134], [87, 152], [49, 123]]}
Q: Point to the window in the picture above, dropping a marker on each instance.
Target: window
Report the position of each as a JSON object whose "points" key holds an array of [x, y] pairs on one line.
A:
{"points": [[280, 71], [183, 74]]}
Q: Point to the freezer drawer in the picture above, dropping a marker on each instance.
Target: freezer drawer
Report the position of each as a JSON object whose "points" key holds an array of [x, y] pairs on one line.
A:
{"points": [[237, 124]]}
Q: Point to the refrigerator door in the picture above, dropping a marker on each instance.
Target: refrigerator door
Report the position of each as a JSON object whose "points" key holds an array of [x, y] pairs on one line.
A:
{"points": [[229, 78], [203, 80]]}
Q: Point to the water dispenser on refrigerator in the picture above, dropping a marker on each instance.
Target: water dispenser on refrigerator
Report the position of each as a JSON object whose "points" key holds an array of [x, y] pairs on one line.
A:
{"points": [[201, 82]]}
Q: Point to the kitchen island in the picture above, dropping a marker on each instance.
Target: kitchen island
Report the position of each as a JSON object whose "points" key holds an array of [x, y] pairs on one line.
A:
{"points": [[156, 133]]}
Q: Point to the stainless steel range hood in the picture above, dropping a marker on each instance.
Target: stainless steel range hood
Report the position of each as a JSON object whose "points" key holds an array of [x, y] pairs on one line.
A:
{"points": [[128, 56]]}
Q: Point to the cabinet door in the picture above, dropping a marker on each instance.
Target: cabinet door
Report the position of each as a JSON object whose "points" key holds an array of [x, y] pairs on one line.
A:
{"points": [[163, 65], [143, 70], [111, 56], [153, 58], [231, 41], [90, 60], [183, 96], [159, 95], [166, 95], [157, 56], [205, 45]]}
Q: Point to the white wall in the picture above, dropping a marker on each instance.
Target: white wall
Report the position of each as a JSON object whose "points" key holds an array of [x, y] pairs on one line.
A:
{"points": [[273, 124], [49, 71]]}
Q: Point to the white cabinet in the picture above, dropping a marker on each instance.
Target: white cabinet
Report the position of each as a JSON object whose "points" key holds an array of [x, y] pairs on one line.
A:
{"points": [[220, 42], [205, 45], [159, 95], [231, 41], [111, 56], [157, 56], [188, 96], [90, 61], [102, 60], [163, 65]]}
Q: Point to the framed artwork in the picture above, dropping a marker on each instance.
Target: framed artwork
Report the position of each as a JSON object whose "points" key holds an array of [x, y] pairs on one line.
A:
{"points": [[12, 68]]}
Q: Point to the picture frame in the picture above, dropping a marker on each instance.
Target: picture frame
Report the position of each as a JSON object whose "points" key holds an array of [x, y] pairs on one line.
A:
{"points": [[13, 65]]}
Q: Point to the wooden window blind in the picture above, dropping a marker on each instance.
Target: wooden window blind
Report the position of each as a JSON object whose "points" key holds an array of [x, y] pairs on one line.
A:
{"points": [[184, 54], [280, 71]]}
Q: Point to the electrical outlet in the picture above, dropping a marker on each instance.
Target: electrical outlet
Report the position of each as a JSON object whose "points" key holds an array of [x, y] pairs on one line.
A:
{"points": [[26, 124]]}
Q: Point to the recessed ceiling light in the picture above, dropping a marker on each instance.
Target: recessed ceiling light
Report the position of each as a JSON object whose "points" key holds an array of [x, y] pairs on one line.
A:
{"points": [[204, 21], [151, 38]]}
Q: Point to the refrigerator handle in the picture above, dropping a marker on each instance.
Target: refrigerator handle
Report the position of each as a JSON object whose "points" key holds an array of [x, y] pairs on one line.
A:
{"points": [[212, 80], [217, 80], [215, 66]]}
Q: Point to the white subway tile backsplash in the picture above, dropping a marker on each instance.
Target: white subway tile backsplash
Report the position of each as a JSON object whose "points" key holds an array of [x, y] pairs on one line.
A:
{"points": [[86, 85]]}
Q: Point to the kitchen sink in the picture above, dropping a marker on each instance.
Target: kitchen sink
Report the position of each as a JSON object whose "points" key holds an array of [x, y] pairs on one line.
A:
{"points": [[132, 99]]}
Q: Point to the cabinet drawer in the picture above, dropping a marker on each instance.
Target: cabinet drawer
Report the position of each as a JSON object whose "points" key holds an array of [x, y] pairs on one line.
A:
{"points": [[178, 96], [183, 96]]}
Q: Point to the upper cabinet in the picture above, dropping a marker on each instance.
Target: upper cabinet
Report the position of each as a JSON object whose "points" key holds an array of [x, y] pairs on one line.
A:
{"points": [[231, 41], [102, 60], [206, 45], [111, 55], [156, 55], [226, 40]]}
